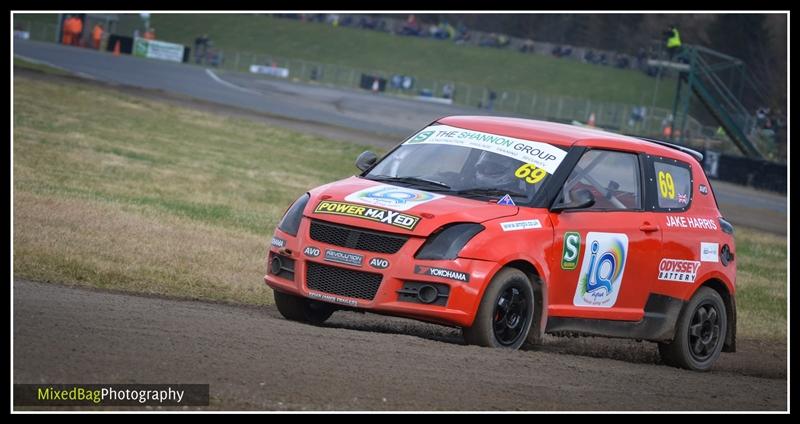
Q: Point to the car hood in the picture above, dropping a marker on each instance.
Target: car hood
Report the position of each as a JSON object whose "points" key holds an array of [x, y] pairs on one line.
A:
{"points": [[392, 208]]}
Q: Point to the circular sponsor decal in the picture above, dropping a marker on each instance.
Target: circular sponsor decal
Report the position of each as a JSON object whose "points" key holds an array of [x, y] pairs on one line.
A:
{"points": [[396, 196]]}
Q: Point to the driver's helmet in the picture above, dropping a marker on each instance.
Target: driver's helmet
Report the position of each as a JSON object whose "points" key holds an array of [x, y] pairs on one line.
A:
{"points": [[496, 171]]}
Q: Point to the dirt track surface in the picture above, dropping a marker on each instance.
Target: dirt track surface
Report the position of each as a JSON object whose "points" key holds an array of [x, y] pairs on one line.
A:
{"points": [[254, 359]]}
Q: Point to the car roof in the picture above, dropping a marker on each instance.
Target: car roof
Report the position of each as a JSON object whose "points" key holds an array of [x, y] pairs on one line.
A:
{"points": [[556, 133]]}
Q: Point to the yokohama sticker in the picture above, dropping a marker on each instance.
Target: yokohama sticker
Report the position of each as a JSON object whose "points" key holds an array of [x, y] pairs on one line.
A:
{"points": [[678, 270], [542, 155], [441, 272], [396, 219]]}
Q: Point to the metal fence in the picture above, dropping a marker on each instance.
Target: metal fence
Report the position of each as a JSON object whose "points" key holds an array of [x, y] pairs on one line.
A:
{"points": [[612, 115]]}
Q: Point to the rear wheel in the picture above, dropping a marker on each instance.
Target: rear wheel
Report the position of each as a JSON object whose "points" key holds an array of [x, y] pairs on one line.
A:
{"points": [[297, 308], [700, 333], [505, 314]]}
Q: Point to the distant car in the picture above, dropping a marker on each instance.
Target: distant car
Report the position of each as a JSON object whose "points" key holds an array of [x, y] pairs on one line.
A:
{"points": [[512, 228]]}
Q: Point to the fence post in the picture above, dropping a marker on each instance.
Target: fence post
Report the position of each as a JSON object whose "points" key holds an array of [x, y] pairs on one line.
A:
{"points": [[533, 105], [516, 101], [547, 107], [560, 105], [236, 61]]}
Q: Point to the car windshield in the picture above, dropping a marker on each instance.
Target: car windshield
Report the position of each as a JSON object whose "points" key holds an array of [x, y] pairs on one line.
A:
{"points": [[470, 164]]}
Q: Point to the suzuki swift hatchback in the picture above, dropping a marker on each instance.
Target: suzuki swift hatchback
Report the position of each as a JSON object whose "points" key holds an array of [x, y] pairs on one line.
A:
{"points": [[512, 228]]}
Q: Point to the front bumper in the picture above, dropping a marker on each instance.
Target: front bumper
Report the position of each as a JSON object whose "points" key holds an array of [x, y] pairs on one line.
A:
{"points": [[458, 308]]}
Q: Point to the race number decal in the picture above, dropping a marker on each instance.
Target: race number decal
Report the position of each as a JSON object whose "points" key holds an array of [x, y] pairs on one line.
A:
{"points": [[666, 185], [530, 173]]}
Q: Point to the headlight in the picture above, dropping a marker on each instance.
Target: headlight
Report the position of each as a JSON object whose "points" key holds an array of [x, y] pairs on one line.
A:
{"points": [[449, 241], [291, 220]]}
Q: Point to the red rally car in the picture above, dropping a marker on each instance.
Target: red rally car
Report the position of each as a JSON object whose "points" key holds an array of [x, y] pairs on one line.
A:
{"points": [[512, 228]]}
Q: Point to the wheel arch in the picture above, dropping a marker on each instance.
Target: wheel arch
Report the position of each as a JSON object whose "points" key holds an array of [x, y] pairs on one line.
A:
{"points": [[540, 297], [730, 310]]}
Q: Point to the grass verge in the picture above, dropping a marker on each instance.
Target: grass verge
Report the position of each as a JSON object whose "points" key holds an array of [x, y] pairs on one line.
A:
{"points": [[118, 192]]}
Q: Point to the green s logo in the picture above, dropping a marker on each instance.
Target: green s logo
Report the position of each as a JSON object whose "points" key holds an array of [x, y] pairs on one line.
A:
{"points": [[419, 138], [572, 250]]}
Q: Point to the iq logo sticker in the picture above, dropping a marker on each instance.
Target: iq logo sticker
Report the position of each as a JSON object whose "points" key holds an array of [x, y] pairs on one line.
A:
{"points": [[602, 269], [397, 198], [571, 251]]}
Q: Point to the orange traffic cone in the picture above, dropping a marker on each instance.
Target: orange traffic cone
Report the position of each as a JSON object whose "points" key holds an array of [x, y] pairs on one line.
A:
{"points": [[116, 48], [591, 120]]}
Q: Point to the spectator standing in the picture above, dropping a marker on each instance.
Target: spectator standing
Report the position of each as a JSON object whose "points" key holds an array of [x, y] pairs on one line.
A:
{"points": [[77, 30], [66, 31], [673, 40], [492, 98], [200, 48], [97, 36]]}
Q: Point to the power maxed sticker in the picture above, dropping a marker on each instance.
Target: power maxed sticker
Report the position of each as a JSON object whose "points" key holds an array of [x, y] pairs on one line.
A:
{"points": [[371, 213]]}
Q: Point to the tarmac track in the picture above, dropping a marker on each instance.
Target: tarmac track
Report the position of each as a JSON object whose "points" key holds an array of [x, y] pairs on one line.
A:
{"points": [[254, 359]]}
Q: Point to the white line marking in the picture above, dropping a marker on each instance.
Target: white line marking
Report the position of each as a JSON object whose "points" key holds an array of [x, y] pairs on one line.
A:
{"points": [[227, 84], [60, 68]]}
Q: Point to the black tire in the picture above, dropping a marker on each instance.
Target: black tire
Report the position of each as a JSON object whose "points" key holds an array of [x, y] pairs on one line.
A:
{"points": [[699, 333], [505, 313], [297, 308]]}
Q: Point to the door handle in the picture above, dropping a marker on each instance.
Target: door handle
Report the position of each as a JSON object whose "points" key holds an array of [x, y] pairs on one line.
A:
{"points": [[649, 228]]}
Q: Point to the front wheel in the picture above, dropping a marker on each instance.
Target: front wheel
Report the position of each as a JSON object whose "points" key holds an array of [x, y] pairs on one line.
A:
{"points": [[297, 308], [700, 333], [505, 314]]}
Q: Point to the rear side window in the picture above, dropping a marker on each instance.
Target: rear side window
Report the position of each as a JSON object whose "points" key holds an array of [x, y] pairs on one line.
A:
{"points": [[670, 184], [612, 177]]}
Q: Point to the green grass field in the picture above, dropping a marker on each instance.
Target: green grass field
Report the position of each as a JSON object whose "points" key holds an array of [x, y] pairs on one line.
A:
{"points": [[501, 70], [118, 192]]}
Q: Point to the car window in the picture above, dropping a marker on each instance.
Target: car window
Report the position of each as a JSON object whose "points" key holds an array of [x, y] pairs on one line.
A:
{"points": [[612, 178], [673, 183]]}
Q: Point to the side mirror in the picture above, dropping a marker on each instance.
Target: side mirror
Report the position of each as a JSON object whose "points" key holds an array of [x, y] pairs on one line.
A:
{"points": [[365, 160], [581, 199]]}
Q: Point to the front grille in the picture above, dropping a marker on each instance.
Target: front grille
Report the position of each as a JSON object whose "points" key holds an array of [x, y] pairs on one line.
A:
{"points": [[356, 238], [344, 282]]}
